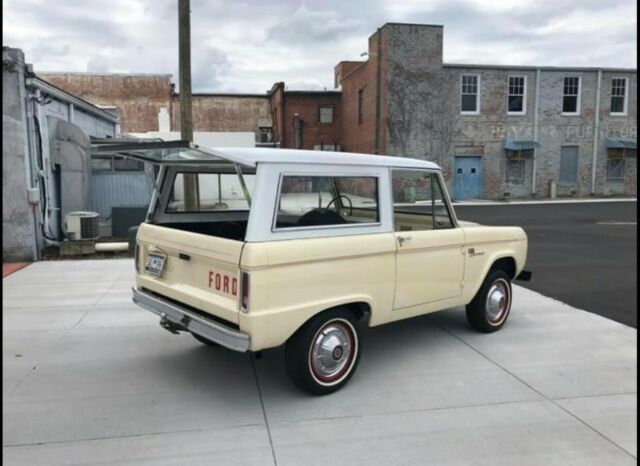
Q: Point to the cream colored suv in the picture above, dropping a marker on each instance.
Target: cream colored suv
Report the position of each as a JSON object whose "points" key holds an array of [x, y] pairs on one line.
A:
{"points": [[251, 249]]}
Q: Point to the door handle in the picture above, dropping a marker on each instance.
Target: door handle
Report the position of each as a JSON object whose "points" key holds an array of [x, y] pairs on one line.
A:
{"points": [[403, 239]]}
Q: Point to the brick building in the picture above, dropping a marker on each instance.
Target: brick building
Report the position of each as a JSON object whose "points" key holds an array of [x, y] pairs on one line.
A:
{"points": [[497, 131], [306, 119]]}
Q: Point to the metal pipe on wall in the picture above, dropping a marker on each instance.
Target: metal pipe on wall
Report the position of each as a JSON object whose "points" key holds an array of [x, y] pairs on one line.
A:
{"points": [[535, 132], [596, 135], [29, 162]]}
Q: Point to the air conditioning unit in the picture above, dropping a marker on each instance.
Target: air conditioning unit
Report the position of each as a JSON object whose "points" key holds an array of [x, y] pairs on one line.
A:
{"points": [[81, 225]]}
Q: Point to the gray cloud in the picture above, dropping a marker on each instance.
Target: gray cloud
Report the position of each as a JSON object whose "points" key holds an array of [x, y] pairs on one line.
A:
{"points": [[312, 26], [246, 45], [207, 68]]}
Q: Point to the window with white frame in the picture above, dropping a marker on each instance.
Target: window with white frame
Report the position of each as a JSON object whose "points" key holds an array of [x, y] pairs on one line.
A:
{"points": [[516, 99], [619, 96], [470, 94], [571, 95]]}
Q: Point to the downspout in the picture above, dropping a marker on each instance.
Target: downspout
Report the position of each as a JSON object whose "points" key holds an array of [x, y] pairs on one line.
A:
{"points": [[283, 117], [29, 147], [535, 132], [596, 135], [378, 84]]}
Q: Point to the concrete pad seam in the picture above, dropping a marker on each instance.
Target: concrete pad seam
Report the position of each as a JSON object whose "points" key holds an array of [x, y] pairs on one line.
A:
{"points": [[600, 395], [409, 411], [116, 437], [592, 428], [37, 363], [264, 412], [537, 391], [106, 293]]}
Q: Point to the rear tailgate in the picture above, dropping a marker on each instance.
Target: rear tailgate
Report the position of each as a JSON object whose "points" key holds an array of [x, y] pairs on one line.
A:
{"points": [[199, 270]]}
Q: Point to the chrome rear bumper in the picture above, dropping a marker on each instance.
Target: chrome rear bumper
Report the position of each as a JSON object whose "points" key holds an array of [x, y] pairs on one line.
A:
{"points": [[175, 316]]}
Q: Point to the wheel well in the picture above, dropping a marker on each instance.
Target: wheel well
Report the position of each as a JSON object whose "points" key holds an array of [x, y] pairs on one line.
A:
{"points": [[361, 310], [507, 264]]}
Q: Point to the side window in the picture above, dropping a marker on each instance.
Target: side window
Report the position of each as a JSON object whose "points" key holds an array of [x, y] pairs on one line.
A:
{"points": [[419, 201], [216, 191], [308, 201]]}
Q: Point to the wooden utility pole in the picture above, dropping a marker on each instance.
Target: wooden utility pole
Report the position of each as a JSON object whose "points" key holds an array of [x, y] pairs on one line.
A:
{"points": [[191, 198]]}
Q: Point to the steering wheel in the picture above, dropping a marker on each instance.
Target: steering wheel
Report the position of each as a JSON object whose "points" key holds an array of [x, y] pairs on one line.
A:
{"points": [[342, 196]]}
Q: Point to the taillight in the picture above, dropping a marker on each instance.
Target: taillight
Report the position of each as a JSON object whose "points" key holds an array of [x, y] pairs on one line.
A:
{"points": [[136, 257], [244, 285]]}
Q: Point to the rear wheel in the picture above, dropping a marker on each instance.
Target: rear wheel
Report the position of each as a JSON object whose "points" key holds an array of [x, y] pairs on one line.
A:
{"points": [[204, 340], [489, 309], [322, 356]]}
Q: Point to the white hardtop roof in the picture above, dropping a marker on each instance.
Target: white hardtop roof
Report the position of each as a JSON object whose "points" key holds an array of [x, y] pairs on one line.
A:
{"points": [[251, 156], [186, 153]]}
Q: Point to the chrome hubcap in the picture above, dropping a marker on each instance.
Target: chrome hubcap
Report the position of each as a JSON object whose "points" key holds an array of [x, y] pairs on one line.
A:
{"points": [[331, 351], [497, 301]]}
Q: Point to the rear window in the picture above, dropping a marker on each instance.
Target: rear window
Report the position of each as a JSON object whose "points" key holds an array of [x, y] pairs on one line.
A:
{"points": [[309, 201], [214, 192]]}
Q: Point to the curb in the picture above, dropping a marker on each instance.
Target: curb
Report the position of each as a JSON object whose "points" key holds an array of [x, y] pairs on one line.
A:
{"points": [[549, 201]]}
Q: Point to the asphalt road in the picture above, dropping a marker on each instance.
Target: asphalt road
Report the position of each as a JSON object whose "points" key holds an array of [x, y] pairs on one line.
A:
{"points": [[583, 254]]}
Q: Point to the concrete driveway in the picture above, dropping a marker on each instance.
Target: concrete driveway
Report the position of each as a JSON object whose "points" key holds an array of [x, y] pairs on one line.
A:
{"points": [[90, 378]]}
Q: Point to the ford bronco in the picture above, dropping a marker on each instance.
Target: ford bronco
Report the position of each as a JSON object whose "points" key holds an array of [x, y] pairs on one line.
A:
{"points": [[250, 248]]}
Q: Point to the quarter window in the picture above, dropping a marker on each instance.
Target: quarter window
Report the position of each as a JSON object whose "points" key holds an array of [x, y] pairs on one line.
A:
{"points": [[312, 201], [619, 96], [469, 93], [418, 201], [571, 95], [517, 94]]}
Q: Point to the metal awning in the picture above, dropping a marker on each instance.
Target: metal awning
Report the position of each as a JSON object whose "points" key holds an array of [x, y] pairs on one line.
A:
{"points": [[617, 143], [520, 144]]}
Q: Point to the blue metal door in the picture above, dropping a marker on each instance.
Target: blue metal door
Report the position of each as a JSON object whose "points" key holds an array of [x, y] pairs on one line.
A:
{"points": [[467, 180]]}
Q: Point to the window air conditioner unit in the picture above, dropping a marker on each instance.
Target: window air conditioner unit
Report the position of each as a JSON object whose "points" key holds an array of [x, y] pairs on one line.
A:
{"points": [[81, 225]]}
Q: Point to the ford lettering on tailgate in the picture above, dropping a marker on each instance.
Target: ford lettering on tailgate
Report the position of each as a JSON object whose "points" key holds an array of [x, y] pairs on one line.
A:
{"points": [[223, 283]]}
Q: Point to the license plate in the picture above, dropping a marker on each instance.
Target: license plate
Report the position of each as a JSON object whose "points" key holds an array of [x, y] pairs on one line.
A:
{"points": [[155, 263]]}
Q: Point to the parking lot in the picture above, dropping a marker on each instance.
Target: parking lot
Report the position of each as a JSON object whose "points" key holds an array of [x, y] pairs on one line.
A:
{"points": [[89, 378], [583, 254]]}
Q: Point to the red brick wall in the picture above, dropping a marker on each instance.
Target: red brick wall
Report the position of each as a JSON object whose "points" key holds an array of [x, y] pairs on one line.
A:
{"points": [[360, 137], [307, 106], [137, 97], [225, 113], [344, 68]]}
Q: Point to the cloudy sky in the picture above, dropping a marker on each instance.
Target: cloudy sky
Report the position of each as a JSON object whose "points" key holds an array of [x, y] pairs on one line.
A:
{"points": [[245, 46]]}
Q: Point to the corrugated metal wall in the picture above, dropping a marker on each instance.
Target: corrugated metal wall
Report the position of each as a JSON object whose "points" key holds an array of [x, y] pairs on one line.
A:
{"points": [[118, 189]]}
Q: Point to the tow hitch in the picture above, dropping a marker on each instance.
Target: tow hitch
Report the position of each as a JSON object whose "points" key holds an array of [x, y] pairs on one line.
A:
{"points": [[171, 326]]}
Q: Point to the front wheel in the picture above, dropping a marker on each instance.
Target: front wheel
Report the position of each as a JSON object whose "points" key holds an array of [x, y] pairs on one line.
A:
{"points": [[489, 309], [322, 356]]}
